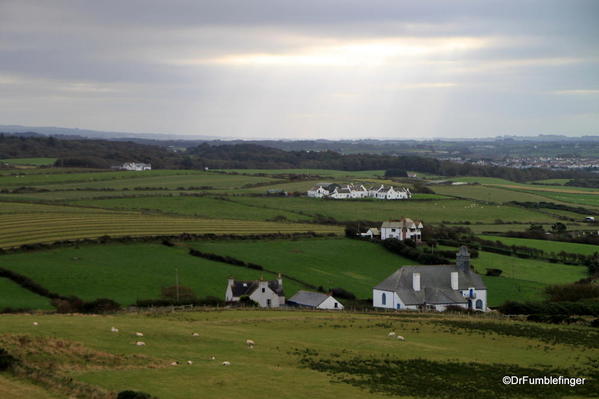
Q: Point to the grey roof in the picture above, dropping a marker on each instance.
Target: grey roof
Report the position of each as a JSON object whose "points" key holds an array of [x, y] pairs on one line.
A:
{"points": [[241, 288], [398, 224], [435, 284], [308, 298]]}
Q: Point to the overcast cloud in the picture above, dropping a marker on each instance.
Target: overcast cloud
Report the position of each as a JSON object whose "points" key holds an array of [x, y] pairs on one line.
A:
{"points": [[303, 69]]}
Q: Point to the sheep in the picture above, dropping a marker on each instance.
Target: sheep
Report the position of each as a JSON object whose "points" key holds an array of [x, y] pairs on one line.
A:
{"points": [[35, 323], [401, 338], [391, 334], [250, 343], [174, 363], [189, 362], [114, 329], [213, 358], [226, 363], [140, 343], [195, 335], [139, 334]]}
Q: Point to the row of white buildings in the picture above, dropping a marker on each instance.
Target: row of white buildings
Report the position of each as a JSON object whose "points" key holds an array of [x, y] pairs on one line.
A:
{"points": [[351, 191]]}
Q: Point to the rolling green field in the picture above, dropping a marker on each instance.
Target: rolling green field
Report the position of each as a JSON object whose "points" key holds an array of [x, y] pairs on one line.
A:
{"points": [[29, 161], [546, 245], [16, 297], [350, 264], [23, 223], [440, 356], [126, 273]]}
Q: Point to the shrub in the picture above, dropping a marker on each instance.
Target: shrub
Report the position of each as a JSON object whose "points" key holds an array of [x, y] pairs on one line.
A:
{"points": [[133, 395], [572, 292], [101, 305], [6, 360], [342, 293], [494, 272], [184, 294]]}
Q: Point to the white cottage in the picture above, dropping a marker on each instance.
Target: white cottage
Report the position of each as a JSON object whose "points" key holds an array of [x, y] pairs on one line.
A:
{"points": [[136, 166], [267, 294], [433, 287], [403, 229], [319, 191], [315, 300]]}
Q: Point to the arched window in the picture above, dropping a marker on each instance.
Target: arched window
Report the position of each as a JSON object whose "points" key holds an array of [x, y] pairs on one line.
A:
{"points": [[479, 304], [384, 298]]}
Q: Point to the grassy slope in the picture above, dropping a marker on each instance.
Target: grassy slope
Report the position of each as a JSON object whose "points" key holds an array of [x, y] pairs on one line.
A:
{"points": [[14, 296], [195, 206], [432, 211], [545, 245], [269, 367], [29, 161], [125, 273], [351, 264]]}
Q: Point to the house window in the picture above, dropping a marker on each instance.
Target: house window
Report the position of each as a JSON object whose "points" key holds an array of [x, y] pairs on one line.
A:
{"points": [[384, 299], [336, 305], [268, 302], [398, 306], [263, 290], [479, 304]]}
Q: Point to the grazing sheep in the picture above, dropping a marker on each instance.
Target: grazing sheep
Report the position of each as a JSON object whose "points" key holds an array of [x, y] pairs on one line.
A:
{"points": [[213, 358], [195, 335], [226, 363], [401, 338], [174, 363], [114, 329], [139, 334], [35, 323], [250, 343], [189, 362], [140, 343], [391, 334]]}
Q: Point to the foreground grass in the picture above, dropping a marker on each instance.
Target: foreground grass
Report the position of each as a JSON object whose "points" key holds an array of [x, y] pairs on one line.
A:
{"points": [[284, 339]]}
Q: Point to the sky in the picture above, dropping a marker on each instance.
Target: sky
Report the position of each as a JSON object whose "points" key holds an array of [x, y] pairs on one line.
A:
{"points": [[309, 69]]}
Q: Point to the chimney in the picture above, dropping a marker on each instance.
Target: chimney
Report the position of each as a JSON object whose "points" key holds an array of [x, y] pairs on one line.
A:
{"points": [[416, 281], [454, 281], [231, 281], [280, 280], [463, 259]]}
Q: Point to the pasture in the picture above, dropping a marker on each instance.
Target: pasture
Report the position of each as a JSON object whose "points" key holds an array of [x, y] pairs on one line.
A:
{"points": [[29, 161], [14, 296], [440, 356], [546, 245]]}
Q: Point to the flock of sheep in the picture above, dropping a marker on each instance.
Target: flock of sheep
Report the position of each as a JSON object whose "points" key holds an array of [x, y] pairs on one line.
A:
{"points": [[250, 343], [392, 334]]}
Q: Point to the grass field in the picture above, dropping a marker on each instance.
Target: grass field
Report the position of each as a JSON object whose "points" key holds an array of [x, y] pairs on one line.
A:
{"points": [[350, 264], [29, 161], [126, 273], [441, 355], [23, 223], [546, 245], [336, 174], [16, 297], [433, 211]]}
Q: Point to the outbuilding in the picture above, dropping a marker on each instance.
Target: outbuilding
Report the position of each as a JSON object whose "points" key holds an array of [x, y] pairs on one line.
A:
{"points": [[315, 300]]}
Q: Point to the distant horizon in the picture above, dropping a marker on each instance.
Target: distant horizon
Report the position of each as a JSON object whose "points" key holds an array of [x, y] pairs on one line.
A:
{"points": [[333, 69], [17, 128]]}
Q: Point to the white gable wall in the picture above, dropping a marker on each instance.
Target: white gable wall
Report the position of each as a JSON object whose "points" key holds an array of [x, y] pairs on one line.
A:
{"points": [[329, 303]]}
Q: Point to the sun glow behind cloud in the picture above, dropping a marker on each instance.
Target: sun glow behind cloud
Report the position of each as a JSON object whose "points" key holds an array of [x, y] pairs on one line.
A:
{"points": [[369, 53]]}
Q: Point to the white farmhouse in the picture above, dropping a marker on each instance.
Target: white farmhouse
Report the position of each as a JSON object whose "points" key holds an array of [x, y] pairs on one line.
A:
{"points": [[403, 229], [433, 287], [315, 300], [319, 191], [358, 191], [389, 193], [136, 166], [341, 193], [267, 294]]}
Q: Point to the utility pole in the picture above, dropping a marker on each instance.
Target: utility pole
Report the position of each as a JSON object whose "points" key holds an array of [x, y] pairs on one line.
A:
{"points": [[177, 282]]}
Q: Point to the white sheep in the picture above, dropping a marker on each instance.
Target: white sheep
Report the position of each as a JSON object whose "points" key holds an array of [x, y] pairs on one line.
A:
{"points": [[250, 343], [195, 335], [391, 334], [226, 363], [35, 323], [401, 338], [213, 358], [189, 362], [174, 363], [114, 329], [140, 343], [139, 334]]}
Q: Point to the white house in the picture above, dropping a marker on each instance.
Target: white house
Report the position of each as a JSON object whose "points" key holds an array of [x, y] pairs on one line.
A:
{"points": [[433, 287], [316, 300], [267, 294], [403, 229], [372, 232], [341, 193], [358, 191], [389, 193], [136, 166], [319, 191]]}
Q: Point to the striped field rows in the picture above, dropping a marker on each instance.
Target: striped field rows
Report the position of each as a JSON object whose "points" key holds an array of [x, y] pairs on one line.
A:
{"points": [[46, 227]]}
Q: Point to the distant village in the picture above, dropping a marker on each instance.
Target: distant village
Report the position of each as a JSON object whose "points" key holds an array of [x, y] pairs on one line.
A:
{"points": [[351, 191]]}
